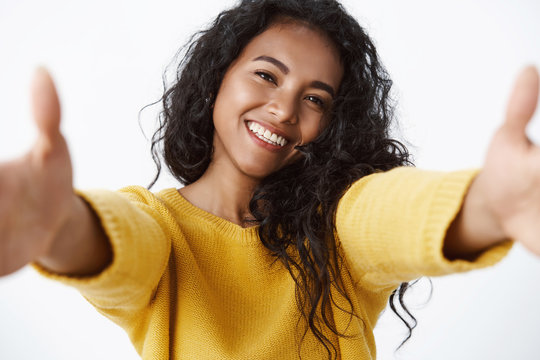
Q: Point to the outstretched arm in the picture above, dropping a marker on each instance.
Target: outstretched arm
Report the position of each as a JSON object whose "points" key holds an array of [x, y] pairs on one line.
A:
{"points": [[41, 219], [503, 201]]}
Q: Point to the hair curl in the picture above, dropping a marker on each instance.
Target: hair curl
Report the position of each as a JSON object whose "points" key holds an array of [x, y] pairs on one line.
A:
{"points": [[295, 206]]}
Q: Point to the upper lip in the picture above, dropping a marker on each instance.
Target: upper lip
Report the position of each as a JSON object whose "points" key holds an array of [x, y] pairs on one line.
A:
{"points": [[272, 129]]}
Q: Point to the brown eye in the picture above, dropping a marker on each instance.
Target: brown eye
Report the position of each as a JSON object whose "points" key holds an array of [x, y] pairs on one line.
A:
{"points": [[266, 76], [315, 100]]}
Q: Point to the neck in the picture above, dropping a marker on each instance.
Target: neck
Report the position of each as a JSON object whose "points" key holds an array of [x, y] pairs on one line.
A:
{"points": [[224, 192]]}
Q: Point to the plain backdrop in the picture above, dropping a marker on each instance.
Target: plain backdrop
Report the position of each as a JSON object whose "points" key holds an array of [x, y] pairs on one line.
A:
{"points": [[453, 64]]}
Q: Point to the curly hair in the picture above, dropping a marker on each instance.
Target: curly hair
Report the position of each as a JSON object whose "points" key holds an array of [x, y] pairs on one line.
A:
{"points": [[295, 207]]}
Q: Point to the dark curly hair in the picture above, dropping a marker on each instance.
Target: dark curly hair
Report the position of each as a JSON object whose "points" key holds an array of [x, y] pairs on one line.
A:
{"points": [[295, 206]]}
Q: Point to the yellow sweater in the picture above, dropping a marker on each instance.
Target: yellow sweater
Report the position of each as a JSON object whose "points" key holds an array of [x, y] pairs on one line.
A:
{"points": [[186, 284]]}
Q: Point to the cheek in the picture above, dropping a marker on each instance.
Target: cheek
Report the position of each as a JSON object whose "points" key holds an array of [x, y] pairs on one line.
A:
{"points": [[237, 94], [227, 106], [311, 128]]}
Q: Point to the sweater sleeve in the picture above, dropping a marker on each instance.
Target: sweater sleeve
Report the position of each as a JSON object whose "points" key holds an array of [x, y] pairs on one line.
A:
{"points": [[131, 220], [392, 226]]}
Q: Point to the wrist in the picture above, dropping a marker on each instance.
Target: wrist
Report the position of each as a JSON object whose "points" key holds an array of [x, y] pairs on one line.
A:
{"points": [[476, 227], [80, 247], [56, 246]]}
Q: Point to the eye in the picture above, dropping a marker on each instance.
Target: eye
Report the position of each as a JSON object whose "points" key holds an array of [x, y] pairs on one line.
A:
{"points": [[266, 76], [316, 100]]}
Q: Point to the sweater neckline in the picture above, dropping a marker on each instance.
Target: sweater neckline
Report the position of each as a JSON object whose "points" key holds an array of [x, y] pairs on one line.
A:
{"points": [[188, 209]]}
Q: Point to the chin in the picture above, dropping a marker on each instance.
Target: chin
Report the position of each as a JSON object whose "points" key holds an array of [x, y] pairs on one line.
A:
{"points": [[258, 170], [257, 173]]}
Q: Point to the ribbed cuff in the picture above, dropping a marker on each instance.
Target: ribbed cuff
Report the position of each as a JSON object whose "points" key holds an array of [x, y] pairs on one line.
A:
{"points": [[393, 225], [140, 252]]}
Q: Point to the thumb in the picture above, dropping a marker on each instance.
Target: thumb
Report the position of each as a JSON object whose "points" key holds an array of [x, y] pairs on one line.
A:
{"points": [[45, 104], [522, 102]]}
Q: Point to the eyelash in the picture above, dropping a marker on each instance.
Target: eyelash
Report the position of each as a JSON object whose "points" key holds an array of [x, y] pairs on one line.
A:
{"points": [[317, 101], [266, 76]]}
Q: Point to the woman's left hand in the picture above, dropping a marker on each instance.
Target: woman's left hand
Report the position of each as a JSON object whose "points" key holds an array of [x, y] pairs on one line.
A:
{"points": [[509, 183]]}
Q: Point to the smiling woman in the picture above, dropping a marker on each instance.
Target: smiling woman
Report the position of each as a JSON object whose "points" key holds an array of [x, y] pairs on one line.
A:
{"points": [[280, 86], [274, 109], [281, 73]]}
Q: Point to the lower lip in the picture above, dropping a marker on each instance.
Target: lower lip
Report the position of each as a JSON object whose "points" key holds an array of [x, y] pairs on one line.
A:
{"points": [[264, 144]]}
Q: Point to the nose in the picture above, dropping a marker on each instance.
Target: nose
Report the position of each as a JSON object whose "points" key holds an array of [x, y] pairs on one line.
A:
{"points": [[283, 107]]}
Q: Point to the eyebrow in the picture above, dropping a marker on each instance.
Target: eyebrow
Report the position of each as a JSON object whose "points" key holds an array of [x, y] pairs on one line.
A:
{"points": [[323, 86], [284, 69], [281, 66]]}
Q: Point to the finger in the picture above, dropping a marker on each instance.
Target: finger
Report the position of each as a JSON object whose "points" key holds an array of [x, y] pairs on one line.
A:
{"points": [[522, 103], [45, 104]]}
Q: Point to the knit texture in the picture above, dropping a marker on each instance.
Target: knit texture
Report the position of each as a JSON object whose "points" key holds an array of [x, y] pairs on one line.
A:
{"points": [[185, 284]]}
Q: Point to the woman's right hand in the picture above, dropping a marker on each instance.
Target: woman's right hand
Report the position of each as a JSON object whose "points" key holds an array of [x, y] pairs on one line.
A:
{"points": [[36, 192]]}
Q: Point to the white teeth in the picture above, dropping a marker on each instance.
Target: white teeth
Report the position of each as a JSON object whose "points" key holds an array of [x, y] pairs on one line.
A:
{"points": [[266, 135]]}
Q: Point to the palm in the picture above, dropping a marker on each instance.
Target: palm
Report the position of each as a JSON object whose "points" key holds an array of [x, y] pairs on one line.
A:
{"points": [[511, 176], [35, 190]]}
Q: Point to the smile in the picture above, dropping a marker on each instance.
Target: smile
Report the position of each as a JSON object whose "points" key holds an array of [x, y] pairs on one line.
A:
{"points": [[266, 135]]}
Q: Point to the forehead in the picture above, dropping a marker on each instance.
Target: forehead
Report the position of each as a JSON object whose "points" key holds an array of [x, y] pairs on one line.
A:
{"points": [[304, 49]]}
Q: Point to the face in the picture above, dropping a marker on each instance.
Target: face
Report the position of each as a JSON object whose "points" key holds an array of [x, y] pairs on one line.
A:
{"points": [[276, 95]]}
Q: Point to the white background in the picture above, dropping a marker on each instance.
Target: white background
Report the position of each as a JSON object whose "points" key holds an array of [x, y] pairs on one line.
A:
{"points": [[453, 64]]}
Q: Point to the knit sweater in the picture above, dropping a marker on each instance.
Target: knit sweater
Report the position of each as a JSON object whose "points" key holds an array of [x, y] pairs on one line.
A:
{"points": [[186, 284]]}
